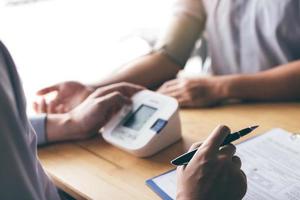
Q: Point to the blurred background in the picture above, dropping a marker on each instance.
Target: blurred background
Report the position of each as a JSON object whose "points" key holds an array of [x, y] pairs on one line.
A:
{"points": [[85, 40]]}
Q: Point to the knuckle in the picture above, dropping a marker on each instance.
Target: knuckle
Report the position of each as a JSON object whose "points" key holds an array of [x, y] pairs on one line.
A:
{"points": [[230, 147], [124, 83], [233, 147], [205, 150], [207, 164], [116, 94], [206, 146], [224, 158], [98, 90]]}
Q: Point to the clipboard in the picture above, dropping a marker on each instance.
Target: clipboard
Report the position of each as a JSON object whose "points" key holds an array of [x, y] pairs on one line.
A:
{"points": [[271, 162], [153, 184]]}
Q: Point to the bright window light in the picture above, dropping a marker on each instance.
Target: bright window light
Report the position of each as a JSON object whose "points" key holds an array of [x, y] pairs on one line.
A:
{"points": [[85, 40]]}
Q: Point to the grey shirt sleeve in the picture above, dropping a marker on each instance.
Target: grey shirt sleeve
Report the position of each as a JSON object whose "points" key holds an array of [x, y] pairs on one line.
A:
{"points": [[38, 123], [179, 38], [22, 176]]}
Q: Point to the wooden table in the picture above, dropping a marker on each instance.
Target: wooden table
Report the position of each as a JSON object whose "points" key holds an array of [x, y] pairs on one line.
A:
{"points": [[93, 169]]}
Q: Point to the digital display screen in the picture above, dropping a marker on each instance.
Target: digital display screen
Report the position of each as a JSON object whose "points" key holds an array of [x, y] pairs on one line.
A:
{"points": [[137, 119]]}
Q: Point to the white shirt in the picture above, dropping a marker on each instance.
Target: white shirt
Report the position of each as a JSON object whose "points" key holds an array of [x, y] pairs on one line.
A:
{"points": [[243, 36], [22, 176]]}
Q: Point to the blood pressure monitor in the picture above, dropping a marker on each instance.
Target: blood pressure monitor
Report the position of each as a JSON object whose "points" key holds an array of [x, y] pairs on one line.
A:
{"points": [[150, 124]]}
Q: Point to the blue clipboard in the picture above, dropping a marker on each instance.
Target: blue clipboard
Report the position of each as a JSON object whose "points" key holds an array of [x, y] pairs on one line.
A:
{"points": [[153, 186]]}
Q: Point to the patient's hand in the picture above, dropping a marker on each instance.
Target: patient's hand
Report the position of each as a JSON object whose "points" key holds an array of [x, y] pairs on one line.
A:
{"points": [[92, 114], [212, 173], [69, 95], [194, 92]]}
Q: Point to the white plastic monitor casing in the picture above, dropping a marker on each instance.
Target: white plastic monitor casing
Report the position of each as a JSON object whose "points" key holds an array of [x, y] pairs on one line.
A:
{"points": [[152, 137]]}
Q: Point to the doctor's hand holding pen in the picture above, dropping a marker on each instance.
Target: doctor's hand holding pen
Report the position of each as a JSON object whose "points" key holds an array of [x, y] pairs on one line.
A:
{"points": [[213, 173]]}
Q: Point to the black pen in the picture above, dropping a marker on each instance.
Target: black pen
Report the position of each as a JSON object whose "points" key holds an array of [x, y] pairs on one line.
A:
{"points": [[186, 157]]}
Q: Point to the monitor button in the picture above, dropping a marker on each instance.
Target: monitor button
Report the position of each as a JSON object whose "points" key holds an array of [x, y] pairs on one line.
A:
{"points": [[159, 125]]}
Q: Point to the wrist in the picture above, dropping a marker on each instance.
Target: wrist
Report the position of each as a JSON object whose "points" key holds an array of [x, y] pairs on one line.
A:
{"points": [[220, 87], [227, 86], [59, 128]]}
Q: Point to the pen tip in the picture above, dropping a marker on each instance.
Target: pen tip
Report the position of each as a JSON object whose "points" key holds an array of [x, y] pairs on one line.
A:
{"points": [[254, 127]]}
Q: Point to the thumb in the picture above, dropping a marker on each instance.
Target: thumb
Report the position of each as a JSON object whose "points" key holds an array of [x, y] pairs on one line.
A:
{"points": [[47, 90]]}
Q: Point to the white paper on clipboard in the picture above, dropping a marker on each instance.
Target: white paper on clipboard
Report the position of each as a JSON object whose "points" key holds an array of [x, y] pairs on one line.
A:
{"points": [[271, 162]]}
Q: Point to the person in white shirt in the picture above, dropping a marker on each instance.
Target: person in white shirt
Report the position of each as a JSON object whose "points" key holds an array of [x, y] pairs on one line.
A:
{"points": [[212, 174], [253, 45]]}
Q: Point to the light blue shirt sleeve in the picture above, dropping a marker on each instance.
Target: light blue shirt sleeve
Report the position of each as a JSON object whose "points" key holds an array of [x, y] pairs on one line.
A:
{"points": [[38, 122]]}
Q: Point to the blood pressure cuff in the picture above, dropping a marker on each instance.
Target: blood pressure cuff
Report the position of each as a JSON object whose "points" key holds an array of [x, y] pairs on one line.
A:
{"points": [[178, 40]]}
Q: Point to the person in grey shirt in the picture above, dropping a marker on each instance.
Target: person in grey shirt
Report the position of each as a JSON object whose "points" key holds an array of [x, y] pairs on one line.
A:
{"points": [[213, 173], [253, 44], [21, 175]]}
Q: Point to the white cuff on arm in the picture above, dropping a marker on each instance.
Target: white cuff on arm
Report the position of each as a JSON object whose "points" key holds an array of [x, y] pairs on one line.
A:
{"points": [[39, 124], [186, 28]]}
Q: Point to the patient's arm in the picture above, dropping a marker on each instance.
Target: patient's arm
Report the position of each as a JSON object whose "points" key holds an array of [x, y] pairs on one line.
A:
{"points": [[150, 71], [172, 50], [278, 84]]}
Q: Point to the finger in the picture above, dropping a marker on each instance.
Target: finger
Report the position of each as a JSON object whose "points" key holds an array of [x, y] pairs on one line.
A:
{"points": [[52, 106], [35, 107], [116, 98], [166, 85], [178, 94], [244, 175], [237, 161], [126, 89], [175, 95], [46, 90], [42, 106], [193, 103], [171, 89], [185, 102], [215, 139], [171, 82], [116, 102], [195, 146], [228, 151], [161, 89], [124, 100]]}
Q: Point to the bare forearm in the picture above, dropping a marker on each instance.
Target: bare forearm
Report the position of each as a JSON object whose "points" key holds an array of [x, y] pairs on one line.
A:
{"points": [[278, 84], [150, 71], [174, 48]]}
